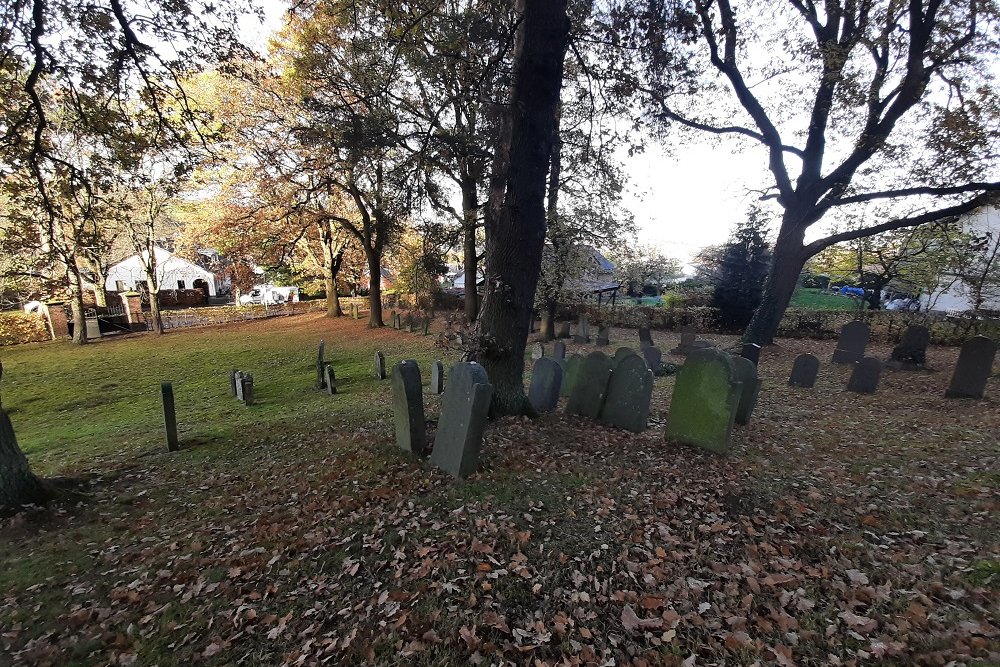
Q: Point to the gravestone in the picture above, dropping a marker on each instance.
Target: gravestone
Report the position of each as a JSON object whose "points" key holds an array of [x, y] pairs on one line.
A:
{"points": [[751, 351], [329, 378], [571, 371], [537, 351], [630, 389], [393, 320], [603, 336], [169, 416], [563, 330], [379, 366], [911, 353], [621, 353], [437, 378], [704, 402], [354, 311], [399, 321], [745, 373], [973, 370], [865, 376], [590, 387], [319, 365], [546, 382], [238, 379], [804, 371], [464, 409], [852, 342], [645, 338], [559, 350], [408, 407], [246, 388], [653, 358], [232, 382], [582, 331], [686, 346], [545, 326]]}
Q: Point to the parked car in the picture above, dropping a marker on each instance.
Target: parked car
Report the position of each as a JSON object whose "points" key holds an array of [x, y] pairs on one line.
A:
{"points": [[903, 304], [267, 295]]}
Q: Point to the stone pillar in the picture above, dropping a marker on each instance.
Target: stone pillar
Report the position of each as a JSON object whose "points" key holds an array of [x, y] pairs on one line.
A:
{"points": [[132, 301], [55, 313]]}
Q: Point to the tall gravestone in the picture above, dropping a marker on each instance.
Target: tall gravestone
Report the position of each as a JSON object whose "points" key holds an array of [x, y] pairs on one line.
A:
{"points": [[630, 390], [603, 336], [238, 379], [393, 319], [319, 365], [329, 378], [464, 409], [169, 416], [852, 342], [645, 337], [653, 357], [571, 371], [563, 330], [232, 382], [437, 378], [751, 351], [911, 352], [804, 371], [704, 403], [354, 311], [745, 373], [974, 368], [537, 351], [408, 407], [582, 331], [590, 387], [546, 382], [379, 365], [865, 376], [559, 350], [246, 388]]}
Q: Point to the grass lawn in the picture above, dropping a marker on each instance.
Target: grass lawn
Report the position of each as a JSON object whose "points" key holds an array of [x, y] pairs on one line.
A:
{"points": [[841, 530], [816, 299]]}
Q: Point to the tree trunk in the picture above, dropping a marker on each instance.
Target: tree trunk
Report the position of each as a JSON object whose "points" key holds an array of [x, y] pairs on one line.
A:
{"points": [[549, 322], [154, 310], [516, 236], [76, 305], [374, 289], [18, 486], [470, 210], [786, 266]]}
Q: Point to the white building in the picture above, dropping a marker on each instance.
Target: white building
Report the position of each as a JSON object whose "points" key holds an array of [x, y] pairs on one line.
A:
{"points": [[172, 271], [952, 295]]}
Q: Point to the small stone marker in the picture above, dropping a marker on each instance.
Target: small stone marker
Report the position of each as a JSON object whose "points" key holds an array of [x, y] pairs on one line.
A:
{"points": [[852, 342], [751, 351], [582, 336], [563, 330], [537, 351], [546, 382], [603, 336], [437, 378], [804, 371], [379, 366], [319, 365], [329, 378], [630, 389], [354, 311], [559, 350], [232, 382], [571, 371], [653, 357], [246, 388], [169, 416], [408, 407], [591, 386], [621, 353], [911, 353], [645, 338], [703, 406], [464, 409], [865, 376], [745, 373], [973, 370]]}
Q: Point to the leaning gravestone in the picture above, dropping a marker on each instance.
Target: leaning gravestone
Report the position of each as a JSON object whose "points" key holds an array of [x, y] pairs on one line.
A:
{"points": [[546, 381], [587, 395], [973, 370], [745, 373], [703, 406], [911, 353], [319, 365], [437, 378], [538, 351], [653, 357], [329, 378], [603, 336], [630, 390], [865, 376], [559, 350], [563, 330], [804, 371], [464, 409], [571, 371], [169, 416], [751, 351], [408, 407], [645, 338], [582, 331], [379, 366], [852, 342]]}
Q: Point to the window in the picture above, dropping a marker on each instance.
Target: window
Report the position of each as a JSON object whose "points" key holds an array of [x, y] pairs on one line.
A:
{"points": [[180, 284]]}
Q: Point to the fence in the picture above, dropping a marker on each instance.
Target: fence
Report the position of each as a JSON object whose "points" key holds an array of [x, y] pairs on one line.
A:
{"points": [[209, 316]]}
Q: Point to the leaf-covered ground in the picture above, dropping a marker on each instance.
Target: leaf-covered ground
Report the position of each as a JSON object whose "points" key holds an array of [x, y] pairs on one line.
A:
{"points": [[842, 530]]}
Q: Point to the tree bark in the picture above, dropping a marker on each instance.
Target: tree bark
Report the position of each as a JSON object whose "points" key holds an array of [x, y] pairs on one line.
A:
{"points": [[155, 316], [76, 304], [786, 266], [374, 289], [18, 486], [516, 229], [470, 210]]}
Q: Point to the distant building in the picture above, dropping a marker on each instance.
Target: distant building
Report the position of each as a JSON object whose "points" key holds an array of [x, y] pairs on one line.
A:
{"points": [[953, 295], [173, 272]]}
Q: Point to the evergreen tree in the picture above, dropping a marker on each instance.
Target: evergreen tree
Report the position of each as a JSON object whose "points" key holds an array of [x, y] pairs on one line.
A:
{"points": [[742, 271]]}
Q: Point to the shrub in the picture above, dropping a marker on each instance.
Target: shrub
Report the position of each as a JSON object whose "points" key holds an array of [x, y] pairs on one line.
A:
{"points": [[17, 328]]}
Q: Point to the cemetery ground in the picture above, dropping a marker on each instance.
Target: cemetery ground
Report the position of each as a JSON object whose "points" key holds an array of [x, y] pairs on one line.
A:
{"points": [[841, 529]]}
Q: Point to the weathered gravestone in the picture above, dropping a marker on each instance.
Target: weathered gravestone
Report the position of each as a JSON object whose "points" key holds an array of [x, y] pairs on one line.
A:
{"points": [[354, 311], [852, 342], [623, 352], [571, 371], [329, 378], [379, 366], [232, 382], [911, 353], [238, 380], [546, 381], [408, 407], [973, 370], [865, 376], [703, 406], [751, 351], [437, 378], [393, 319], [603, 336], [629, 392], [645, 338], [686, 346], [559, 350], [582, 331], [563, 330], [745, 373], [804, 371], [538, 351], [319, 365], [464, 410], [399, 321], [169, 416], [246, 388], [653, 357], [587, 394]]}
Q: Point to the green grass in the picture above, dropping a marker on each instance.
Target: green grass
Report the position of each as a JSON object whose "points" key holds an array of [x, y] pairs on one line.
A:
{"points": [[73, 406], [816, 299]]}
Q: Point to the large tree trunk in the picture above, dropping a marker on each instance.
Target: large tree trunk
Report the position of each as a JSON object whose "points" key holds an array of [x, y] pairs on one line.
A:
{"points": [[18, 486], [374, 289], [516, 235], [155, 316], [786, 266], [470, 210], [76, 305]]}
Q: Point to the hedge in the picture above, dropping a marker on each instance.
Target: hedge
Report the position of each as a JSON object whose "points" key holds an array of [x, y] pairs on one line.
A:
{"points": [[17, 328]]}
